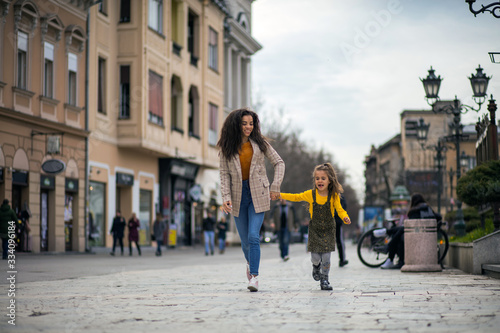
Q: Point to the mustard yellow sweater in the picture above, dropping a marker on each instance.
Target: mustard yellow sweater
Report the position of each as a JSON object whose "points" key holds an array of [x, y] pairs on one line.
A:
{"points": [[307, 196]]}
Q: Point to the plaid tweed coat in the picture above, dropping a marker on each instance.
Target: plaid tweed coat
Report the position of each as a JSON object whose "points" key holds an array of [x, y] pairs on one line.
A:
{"points": [[231, 180]]}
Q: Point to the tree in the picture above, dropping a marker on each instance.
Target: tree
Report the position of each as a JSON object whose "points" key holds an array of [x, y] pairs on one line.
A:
{"points": [[300, 159], [480, 186]]}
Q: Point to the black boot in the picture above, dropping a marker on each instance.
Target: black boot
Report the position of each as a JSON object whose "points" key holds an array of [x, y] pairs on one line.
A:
{"points": [[325, 285], [316, 275]]}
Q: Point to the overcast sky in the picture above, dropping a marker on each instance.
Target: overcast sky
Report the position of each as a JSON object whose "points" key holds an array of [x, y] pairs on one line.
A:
{"points": [[343, 71]]}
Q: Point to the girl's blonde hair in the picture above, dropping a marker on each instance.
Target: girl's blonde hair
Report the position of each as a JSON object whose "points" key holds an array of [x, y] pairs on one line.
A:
{"points": [[334, 185]]}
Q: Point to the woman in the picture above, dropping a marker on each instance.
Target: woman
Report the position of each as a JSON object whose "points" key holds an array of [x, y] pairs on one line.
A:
{"points": [[133, 233], [244, 185], [419, 209]]}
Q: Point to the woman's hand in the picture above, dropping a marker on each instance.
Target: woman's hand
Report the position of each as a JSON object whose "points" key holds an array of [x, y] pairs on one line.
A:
{"points": [[275, 195], [226, 207], [347, 220]]}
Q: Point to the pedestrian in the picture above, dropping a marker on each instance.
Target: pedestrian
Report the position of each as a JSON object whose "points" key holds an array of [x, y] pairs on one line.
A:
{"points": [[7, 215], [245, 187], [324, 201], [117, 230], [133, 233], [222, 229], [284, 221], [339, 235], [158, 231], [209, 233], [419, 209]]}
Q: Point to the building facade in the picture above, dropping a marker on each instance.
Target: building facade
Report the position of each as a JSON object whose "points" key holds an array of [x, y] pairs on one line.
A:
{"points": [[405, 161], [42, 121]]}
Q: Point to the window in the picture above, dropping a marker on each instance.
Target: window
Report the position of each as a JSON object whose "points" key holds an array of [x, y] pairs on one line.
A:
{"points": [[155, 98], [72, 76], [155, 20], [193, 120], [213, 121], [213, 60], [101, 86], [124, 11], [193, 37], [124, 112], [103, 7], [22, 55], [48, 71], [176, 104]]}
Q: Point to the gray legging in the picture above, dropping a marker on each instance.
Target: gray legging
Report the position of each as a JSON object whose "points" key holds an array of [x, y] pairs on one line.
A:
{"points": [[323, 259]]}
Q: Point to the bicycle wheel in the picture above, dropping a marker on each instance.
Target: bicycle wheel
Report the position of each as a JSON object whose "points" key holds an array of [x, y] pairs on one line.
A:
{"points": [[372, 251], [442, 245]]}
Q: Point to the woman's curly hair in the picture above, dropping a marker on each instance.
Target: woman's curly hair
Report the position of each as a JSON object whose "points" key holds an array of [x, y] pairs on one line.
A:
{"points": [[231, 134]]}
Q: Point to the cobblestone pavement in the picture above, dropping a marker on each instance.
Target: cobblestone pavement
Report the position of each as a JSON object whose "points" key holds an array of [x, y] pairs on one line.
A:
{"points": [[185, 291]]}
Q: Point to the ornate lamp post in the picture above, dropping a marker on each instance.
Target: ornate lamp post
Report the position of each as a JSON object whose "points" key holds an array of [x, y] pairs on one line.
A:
{"points": [[422, 132], [479, 84], [493, 8]]}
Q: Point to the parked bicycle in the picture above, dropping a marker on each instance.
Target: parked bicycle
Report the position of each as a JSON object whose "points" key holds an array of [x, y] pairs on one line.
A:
{"points": [[373, 250]]}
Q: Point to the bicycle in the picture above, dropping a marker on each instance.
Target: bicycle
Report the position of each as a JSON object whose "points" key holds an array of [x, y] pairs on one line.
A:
{"points": [[373, 249]]}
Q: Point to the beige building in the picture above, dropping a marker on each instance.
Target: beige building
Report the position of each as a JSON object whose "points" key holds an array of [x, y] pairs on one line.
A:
{"points": [[42, 120], [156, 108]]}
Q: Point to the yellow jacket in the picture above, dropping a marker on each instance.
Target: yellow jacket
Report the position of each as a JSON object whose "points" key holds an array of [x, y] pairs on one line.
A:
{"points": [[307, 196]]}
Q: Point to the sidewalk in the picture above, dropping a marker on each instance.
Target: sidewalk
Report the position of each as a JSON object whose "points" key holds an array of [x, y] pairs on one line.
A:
{"points": [[185, 291]]}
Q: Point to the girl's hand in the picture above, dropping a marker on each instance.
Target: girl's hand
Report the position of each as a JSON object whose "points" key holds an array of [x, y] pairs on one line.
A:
{"points": [[226, 207], [347, 220]]}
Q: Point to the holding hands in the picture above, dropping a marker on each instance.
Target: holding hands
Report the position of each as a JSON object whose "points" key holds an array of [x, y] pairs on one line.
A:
{"points": [[275, 195]]}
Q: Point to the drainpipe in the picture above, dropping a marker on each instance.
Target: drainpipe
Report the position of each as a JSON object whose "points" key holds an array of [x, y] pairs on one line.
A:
{"points": [[87, 57]]}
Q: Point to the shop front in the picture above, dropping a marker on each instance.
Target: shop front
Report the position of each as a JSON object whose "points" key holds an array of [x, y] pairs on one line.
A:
{"points": [[177, 177]]}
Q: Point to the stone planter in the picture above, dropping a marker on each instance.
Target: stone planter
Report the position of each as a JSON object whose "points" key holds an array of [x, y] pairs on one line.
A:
{"points": [[461, 256]]}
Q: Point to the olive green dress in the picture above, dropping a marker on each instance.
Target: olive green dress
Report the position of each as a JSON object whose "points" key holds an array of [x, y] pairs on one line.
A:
{"points": [[321, 237]]}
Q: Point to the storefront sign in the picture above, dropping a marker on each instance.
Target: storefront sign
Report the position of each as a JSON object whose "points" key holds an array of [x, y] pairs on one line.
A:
{"points": [[195, 192], [47, 182], [183, 169], [124, 179], [53, 166], [71, 185], [20, 178]]}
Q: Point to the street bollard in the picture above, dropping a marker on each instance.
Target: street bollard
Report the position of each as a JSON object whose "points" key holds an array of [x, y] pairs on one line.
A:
{"points": [[420, 246]]}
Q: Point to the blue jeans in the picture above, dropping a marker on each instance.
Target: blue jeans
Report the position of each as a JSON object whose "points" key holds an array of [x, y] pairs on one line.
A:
{"points": [[284, 237], [248, 224], [159, 243], [209, 240], [222, 244]]}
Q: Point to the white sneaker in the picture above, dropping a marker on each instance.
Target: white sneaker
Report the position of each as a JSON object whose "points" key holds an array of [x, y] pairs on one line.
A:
{"points": [[388, 264], [253, 285]]}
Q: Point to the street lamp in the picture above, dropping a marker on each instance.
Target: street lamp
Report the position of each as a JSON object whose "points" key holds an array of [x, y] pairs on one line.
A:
{"points": [[479, 84], [422, 132], [493, 8]]}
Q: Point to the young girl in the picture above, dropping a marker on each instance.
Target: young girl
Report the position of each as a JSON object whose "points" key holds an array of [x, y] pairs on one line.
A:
{"points": [[323, 200]]}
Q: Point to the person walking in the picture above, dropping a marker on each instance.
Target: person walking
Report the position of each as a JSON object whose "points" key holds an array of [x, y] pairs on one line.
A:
{"points": [[133, 233], [159, 227], [245, 187], [324, 201], [222, 229], [7, 215], [118, 230], [209, 233], [284, 221], [339, 235], [419, 209]]}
